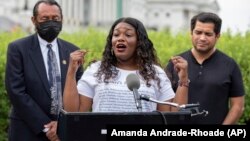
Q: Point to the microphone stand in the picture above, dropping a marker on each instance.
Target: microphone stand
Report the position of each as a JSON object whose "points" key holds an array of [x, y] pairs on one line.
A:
{"points": [[137, 100], [147, 98], [180, 107]]}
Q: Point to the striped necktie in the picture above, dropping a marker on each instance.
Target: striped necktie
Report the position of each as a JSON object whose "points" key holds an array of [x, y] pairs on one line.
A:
{"points": [[54, 82]]}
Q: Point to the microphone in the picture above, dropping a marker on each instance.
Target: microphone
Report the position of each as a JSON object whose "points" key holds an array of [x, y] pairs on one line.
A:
{"points": [[133, 84], [147, 98], [187, 106], [184, 106]]}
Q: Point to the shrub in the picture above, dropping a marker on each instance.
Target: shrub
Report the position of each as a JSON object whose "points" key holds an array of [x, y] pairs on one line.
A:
{"points": [[237, 46]]}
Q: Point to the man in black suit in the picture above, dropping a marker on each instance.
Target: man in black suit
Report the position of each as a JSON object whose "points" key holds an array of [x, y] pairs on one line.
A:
{"points": [[27, 76]]}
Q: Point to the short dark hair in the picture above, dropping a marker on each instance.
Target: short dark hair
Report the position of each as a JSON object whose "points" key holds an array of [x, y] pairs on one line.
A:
{"points": [[49, 2], [207, 17]]}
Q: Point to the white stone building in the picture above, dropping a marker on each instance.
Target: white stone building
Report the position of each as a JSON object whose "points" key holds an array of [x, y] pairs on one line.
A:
{"points": [[173, 15]]}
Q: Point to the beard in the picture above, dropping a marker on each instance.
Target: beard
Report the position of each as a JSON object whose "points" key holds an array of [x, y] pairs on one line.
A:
{"points": [[204, 50]]}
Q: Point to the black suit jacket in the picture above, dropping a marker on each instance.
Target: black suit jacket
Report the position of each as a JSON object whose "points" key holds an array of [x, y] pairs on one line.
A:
{"points": [[28, 88]]}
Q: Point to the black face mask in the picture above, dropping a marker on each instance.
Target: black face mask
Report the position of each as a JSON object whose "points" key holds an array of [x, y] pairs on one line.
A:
{"points": [[49, 30]]}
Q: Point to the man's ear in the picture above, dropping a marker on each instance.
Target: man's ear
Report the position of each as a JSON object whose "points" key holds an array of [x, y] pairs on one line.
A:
{"points": [[33, 19], [218, 36]]}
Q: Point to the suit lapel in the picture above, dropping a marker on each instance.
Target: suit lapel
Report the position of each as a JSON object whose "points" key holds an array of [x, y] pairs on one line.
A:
{"points": [[64, 57], [37, 59]]}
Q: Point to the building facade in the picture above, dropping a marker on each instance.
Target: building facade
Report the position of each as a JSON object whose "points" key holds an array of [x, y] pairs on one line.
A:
{"points": [[173, 15]]}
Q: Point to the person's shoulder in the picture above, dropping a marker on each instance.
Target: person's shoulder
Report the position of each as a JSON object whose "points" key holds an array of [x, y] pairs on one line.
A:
{"points": [[185, 53], [224, 56], [94, 64], [23, 40], [158, 68], [93, 67], [68, 44], [226, 59]]}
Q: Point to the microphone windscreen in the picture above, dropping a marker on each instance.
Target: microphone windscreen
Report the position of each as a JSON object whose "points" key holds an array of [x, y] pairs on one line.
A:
{"points": [[133, 81]]}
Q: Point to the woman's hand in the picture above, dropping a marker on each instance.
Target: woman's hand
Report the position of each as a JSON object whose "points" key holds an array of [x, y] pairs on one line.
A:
{"points": [[76, 59], [181, 67]]}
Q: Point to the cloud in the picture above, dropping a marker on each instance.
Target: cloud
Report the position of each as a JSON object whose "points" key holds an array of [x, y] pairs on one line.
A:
{"points": [[235, 15]]}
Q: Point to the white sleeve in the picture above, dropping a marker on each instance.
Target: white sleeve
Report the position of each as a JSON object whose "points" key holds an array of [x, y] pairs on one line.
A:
{"points": [[166, 91], [86, 85]]}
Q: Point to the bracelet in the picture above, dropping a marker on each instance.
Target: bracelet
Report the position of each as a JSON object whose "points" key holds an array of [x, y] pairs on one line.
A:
{"points": [[184, 83]]}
